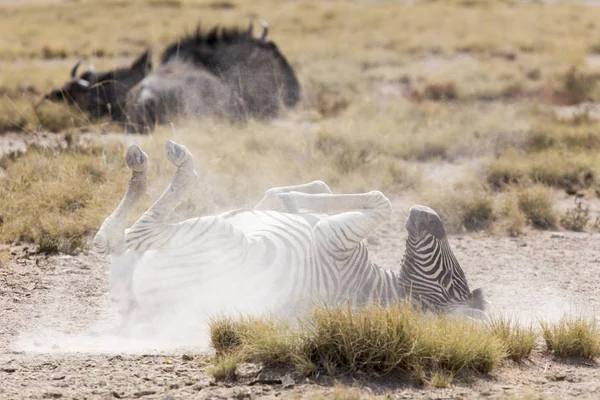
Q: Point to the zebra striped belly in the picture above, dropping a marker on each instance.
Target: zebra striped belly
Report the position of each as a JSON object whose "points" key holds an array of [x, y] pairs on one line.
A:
{"points": [[267, 275]]}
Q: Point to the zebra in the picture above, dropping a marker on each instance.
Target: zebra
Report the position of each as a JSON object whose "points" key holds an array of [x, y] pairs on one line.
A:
{"points": [[298, 245]]}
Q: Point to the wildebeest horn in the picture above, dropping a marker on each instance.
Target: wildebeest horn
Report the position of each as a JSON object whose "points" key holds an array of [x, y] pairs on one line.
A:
{"points": [[93, 71], [74, 70], [265, 29]]}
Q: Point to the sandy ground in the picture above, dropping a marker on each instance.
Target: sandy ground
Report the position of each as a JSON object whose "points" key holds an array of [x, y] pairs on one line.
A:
{"points": [[49, 306]]}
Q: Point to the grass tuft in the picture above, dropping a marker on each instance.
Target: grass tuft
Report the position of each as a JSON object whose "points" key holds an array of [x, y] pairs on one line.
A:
{"points": [[372, 340], [225, 368], [573, 337], [519, 340]]}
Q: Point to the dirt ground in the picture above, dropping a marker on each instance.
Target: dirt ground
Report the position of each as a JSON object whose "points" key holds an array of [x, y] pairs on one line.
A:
{"points": [[49, 304]]}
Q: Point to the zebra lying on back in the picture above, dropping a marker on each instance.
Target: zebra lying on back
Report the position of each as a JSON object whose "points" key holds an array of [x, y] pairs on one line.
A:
{"points": [[299, 245]]}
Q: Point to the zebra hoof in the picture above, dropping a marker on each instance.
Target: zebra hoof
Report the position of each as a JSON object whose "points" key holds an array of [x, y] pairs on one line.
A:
{"points": [[100, 244], [176, 153], [137, 160]]}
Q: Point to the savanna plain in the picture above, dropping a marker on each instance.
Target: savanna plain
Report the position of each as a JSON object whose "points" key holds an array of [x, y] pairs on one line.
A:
{"points": [[486, 111]]}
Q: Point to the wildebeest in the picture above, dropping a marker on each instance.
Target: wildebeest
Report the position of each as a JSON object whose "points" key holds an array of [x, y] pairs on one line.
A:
{"points": [[101, 94], [225, 73]]}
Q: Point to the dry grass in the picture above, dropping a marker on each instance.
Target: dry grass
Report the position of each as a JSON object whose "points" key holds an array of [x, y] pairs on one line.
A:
{"points": [[537, 203], [458, 89], [378, 341], [35, 206], [573, 337], [373, 340], [576, 218], [518, 339], [225, 368]]}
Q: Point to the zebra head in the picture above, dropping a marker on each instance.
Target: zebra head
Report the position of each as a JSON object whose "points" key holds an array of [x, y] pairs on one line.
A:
{"points": [[423, 220], [430, 272]]}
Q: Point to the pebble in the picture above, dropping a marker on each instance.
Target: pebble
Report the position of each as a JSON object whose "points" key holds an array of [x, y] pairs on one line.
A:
{"points": [[287, 381]]}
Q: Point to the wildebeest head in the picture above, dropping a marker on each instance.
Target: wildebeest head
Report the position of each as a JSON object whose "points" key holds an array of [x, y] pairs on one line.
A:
{"points": [[104, 93], [254, 68]]}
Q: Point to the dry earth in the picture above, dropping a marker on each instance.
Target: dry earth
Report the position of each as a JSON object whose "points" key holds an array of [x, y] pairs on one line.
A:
{"points": [[49, 305]]}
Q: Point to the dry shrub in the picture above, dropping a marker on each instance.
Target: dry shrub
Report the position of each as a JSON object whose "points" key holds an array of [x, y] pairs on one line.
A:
{"points": [[577, 218], [478, 213], [537, 203], [503, 172], [347, 154], [513, 218], [330, 100], [551, 167], [519, 340], [573, 337], [576, 86], [440, 91]]}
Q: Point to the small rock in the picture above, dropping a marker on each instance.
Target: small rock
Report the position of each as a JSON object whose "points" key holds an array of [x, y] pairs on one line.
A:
{"points": [[52, 395], [9, 370], [115, 395], [58, 377], [287, 381], [143, 393], [187, 357], [558, 377], [557, 236]]}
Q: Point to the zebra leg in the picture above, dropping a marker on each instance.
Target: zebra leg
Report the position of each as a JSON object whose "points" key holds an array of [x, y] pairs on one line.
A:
{"points": [[157, 214], [110, 238], [273, 202], [355, 215], [152, 232]]}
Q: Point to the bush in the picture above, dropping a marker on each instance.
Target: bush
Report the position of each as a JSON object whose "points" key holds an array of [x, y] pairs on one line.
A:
{"points": [[576, 219], [537, 203]]}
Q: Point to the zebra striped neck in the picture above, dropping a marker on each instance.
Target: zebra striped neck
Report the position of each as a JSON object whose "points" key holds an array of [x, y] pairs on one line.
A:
{"points": [[431, 274]]}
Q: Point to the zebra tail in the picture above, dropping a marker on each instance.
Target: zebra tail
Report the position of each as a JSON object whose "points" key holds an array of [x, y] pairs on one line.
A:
{"points": [[477, 300]]}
